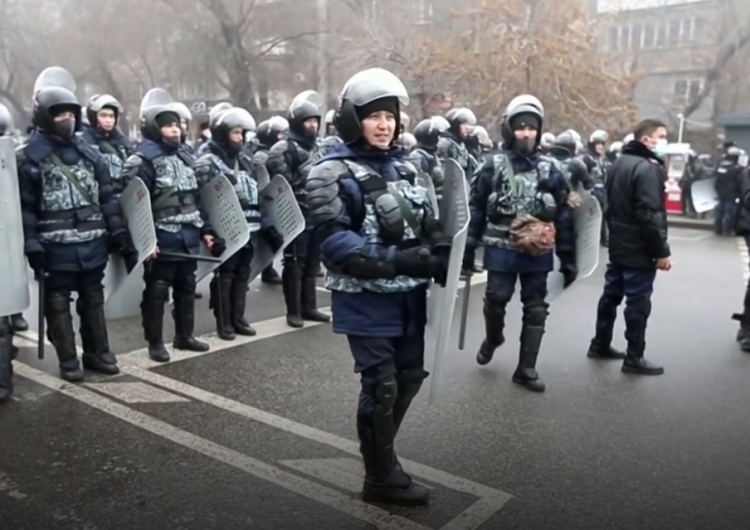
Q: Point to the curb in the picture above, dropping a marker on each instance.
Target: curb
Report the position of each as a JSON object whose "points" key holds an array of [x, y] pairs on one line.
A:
{"points": [[693, 224]]}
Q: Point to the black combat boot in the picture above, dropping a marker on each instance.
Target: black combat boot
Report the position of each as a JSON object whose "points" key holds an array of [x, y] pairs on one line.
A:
{"points": [[601, 344], [239, 290], [155, 297], [184, 316], [494, 323], [97, 356], [385, 481], [291, 283], [19, 323], [310, 301], [61, 334], [220, 303], [634, 362], [532, 332], [6, 359], [269, 275]]}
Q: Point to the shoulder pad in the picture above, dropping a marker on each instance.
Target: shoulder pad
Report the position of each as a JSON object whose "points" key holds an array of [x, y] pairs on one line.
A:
{"points": [[133, 162], [88, 151], [406, 170], [322, 187], [280, 147]]}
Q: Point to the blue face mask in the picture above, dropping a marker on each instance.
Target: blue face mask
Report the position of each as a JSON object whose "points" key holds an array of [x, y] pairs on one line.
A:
{"points": [[660, 148]]}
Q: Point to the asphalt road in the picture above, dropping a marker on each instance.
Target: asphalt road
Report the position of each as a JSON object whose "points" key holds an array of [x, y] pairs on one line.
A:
{"points": [[261, 434]]}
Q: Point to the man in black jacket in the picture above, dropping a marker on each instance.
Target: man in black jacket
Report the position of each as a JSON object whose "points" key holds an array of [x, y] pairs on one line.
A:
{"points": [[637, 222]]}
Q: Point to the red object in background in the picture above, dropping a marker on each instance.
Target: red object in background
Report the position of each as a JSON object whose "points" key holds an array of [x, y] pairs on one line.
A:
{"points": [[673, 196]]}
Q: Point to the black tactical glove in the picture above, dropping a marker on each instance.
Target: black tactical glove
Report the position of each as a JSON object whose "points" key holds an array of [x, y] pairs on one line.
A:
{"points": [[37, 262], [568, 269], [274, 239], [219, 247], [441, 271], [417, 263], [470, 258], [441, 246]]}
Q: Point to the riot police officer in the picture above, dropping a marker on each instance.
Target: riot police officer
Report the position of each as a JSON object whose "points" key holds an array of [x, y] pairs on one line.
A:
{"points": [[292, 158], [70, 215], [515, 197], [166, 167], [104, 113], [596, 164], [268, 134], [424, 156], [378, 269], [727, 184], [452, 142], [224, 155], [613, 151], [185, 118]]}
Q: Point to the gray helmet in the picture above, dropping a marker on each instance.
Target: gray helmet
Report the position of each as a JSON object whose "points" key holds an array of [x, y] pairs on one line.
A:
{"points": [[405, 121], [523, 104], [156, 102], [217, 109], [460, 116], [99, 102], [234, 118], [615, 147], [407, 140], [330, 117], [270, 130], [54, 88], [183, 112], [599, 136], [362, 88], [548, 140], [427, 132], [305, 105], [482, 136], [567, 140]]}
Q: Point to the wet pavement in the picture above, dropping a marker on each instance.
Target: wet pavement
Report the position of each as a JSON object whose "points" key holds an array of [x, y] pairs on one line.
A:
{"points": [[260, 434]]}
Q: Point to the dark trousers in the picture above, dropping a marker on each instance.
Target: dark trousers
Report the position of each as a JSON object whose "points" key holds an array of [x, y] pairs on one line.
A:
{"points": [[601, 196], [636, 286], [391, 374], [159, 275], [724, 217], [303, 252], [229, 288]]}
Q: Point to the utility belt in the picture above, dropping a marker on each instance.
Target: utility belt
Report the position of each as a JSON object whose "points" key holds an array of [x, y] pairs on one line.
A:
{"points": [[174, 205], [499, 227], [77, 219]]}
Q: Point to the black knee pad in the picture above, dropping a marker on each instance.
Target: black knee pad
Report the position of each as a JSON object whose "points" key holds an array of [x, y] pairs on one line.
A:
{"points": [[6, 329], [382, 385], [57, 302], [409, 383], [185, 284], [535, 313], [92, 295]]}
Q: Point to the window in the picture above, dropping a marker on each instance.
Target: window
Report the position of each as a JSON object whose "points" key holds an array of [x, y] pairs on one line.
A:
{"points": [[673, 33], [370, 9], [686, 91], [636, 37], [661, 36], [424, 11], [648, 36]]}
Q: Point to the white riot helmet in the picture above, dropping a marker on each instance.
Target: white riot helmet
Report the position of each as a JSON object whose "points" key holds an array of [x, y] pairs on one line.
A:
{"points": [[599, 136], [548, 140]]}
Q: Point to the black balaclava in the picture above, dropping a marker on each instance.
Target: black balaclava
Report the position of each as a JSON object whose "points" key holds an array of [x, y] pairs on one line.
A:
{"points": [[525, 119]]}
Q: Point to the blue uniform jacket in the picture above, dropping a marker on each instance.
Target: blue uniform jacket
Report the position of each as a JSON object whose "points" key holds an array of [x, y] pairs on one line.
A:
{"points": [[65, 257], [508, 260], [367, 314], [187, 240]]}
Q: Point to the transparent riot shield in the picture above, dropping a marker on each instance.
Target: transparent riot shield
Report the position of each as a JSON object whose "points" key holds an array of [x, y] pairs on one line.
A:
{"points": [[280, 208], [587, 220], [122, 291], [425, 181], [704, 195], [454, 216], [226, 217], [14, 278], [261, 176]]}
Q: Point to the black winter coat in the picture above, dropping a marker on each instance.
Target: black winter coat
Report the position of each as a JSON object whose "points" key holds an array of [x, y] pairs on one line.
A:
{"points": [[636, 216]]}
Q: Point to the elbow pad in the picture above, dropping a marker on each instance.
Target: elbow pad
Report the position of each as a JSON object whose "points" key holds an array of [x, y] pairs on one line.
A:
{"points": [[369, 269]]}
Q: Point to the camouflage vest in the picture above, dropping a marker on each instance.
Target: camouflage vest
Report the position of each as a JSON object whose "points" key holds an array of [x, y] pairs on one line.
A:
{"points": [[306, 160], [115, 157], [512, 194], [416, 199], [175, 193], [246, 188], [598, 172], [458, 152], [69, 215]]}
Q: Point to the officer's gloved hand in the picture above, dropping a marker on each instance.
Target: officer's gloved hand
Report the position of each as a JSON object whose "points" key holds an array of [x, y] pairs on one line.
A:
{"points": [[441, 246], [417, 262], [568, 269], [470, 258], [37, 262], [272, 236], [219, 247]]}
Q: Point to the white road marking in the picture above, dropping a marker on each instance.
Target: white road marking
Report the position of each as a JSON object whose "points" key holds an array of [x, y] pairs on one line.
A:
{"points": [[289, 481], [135, 392], [345, 473], [427, 473], [744, 257]]}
